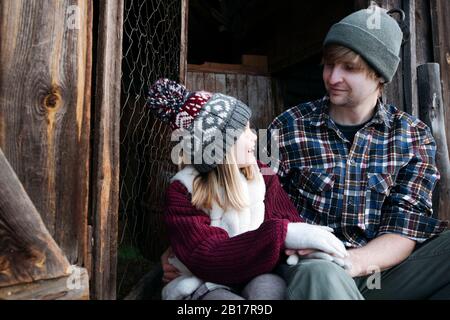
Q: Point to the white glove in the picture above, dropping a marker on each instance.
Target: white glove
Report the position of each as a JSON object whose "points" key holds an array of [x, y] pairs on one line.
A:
{"points": [[180, 288], [295, 259], [307, 236]]}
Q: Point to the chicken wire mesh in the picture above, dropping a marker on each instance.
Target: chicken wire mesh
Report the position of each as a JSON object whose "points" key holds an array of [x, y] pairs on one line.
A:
{"points": [[151, 49]]}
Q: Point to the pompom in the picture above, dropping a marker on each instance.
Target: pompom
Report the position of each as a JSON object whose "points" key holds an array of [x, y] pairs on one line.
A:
{"points": [[165, 98]]}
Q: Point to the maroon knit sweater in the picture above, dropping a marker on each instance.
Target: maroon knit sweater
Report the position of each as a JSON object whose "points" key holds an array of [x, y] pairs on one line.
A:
{"points": [[211, 254]]}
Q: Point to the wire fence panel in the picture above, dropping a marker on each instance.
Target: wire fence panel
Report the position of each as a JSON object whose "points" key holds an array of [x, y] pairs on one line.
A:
{"points": [[151, 50]]}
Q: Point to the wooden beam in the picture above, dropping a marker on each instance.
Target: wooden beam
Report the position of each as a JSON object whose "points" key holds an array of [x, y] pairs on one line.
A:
{"points": [[73, 287], [223, 68], [184, 40], [432, 113], [424, 42], [410, 60], [106, 149], [27, 251]]}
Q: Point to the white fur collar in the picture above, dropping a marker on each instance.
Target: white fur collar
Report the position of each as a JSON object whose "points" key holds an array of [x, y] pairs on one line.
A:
{"points": [[233, 221]]}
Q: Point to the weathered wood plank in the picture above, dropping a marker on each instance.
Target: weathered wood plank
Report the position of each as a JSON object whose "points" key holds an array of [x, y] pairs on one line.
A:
{"points": [[265, 113], [242, 84], [424, 50], [252, 91], [231, 84], [73, 287], [106, 150], [221, 85], [210, 82], [189, 80], [184, 40], [198, 82], [27, 251], [45, 110], [210, 67], [409, 60], [432, 113], [277, 96]]}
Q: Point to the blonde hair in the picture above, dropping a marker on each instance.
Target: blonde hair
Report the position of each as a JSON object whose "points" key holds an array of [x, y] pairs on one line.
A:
{"points": [[207, 186], [339, 54]]}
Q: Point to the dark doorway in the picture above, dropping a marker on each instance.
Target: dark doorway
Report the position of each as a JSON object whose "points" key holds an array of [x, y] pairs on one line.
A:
{"points": [[289, 33]]}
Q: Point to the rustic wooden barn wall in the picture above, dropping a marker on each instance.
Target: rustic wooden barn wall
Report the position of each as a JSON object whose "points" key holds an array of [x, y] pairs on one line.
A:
{"points": [[440, 22], [253, 90], [45, 70], [440, 13]]}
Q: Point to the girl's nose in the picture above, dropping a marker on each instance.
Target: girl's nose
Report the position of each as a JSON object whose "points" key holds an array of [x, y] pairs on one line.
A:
{"points": [[254, 136]]}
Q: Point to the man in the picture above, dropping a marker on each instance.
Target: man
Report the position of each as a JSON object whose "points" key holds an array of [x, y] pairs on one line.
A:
{"points": [[367, 170]]}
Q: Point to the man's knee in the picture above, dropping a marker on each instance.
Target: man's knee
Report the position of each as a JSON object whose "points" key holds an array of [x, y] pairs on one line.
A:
{"points": [[313, 272], [317, 269], [320, 279]]}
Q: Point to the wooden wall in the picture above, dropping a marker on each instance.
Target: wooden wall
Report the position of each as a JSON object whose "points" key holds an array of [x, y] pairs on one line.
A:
{"points": [[46, 57], [440, 27], [45, 70], [254, 90]]}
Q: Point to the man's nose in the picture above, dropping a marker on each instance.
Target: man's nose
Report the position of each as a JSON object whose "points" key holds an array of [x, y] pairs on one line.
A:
{"points": [[335, 75]]}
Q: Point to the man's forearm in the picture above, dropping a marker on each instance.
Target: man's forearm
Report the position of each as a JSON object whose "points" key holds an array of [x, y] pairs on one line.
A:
{"points": [[382, 253]]}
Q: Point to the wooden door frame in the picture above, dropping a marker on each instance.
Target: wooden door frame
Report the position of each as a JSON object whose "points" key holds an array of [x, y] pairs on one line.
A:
{"points": [[106, 150], [184, 40]]}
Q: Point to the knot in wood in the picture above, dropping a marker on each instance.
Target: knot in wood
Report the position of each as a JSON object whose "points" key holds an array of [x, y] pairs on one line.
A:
{"points": [[53, 99]]}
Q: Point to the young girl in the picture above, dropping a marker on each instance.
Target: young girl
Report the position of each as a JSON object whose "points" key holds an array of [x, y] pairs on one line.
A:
{"points": [[228, 224]]}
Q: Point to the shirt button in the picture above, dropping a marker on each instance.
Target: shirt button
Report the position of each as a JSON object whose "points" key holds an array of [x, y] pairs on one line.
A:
{"points": [[352, 162]]}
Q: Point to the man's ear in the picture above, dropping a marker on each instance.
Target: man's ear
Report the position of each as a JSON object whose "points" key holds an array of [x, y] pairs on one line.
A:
{"points": [[381, 85]]}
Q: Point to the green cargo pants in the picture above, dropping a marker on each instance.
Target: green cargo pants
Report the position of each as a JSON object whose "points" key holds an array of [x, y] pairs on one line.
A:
{"points": [[425, 274]]}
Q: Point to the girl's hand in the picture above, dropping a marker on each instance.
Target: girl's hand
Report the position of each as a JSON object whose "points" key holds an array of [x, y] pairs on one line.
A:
{"points": [[170, 272], [295, 256], [307, 236], [301, 252]]}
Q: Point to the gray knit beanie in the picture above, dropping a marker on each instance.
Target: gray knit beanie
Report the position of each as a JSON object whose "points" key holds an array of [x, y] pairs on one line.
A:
{"points": [[373, 34], [211, 122]]}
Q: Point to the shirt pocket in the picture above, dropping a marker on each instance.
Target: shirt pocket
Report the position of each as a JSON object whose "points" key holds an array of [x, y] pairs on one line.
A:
{"points": [[378, 188], [313, 189]]}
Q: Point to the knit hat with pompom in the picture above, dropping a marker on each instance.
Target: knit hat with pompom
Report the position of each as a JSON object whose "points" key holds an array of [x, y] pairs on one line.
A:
{"points": [[211, 121]]}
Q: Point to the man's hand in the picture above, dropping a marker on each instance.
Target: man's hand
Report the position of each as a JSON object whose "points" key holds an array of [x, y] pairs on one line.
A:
{"points": [[382, 253], [170, 272]]}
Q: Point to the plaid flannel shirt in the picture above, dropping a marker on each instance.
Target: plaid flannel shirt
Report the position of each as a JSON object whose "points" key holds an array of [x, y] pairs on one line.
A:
{"points": [[381, 184]]}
